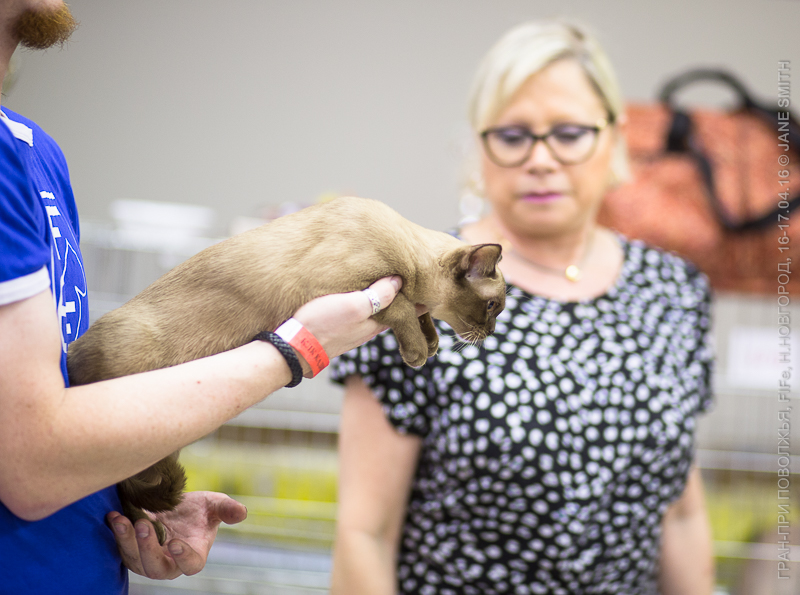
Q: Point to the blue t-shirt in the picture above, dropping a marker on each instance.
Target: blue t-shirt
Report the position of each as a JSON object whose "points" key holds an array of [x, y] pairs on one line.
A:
{"points": [[73, 550]]}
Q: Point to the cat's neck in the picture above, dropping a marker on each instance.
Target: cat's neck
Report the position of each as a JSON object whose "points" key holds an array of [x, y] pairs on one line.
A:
{"points": [[430, 284]]}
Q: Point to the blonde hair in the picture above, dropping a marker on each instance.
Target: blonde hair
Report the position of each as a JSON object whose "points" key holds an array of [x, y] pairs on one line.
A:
{"points": [[527, 49]]}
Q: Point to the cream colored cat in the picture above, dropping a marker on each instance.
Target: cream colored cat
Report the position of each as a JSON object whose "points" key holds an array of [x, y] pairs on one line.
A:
{"points": [[225, 295]]}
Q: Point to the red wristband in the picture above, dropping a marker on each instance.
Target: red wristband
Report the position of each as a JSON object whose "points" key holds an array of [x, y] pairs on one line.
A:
{"points": [[306, 344]]}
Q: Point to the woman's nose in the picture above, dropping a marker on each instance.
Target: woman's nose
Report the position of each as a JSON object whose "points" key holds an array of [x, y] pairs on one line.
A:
{"points": [[541, 158]]}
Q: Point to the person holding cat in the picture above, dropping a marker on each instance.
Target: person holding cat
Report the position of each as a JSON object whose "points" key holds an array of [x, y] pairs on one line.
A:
{"points": [[61, 448], [558, 456]]}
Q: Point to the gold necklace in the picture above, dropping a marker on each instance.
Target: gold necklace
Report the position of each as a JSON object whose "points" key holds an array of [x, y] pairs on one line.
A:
{"points": [[572, 273]]}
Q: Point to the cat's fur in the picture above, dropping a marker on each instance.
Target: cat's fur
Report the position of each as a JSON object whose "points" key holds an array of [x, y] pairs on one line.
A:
{"points": [[222, 297]]}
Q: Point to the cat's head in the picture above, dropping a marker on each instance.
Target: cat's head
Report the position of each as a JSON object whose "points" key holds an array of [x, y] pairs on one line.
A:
{"points": [[475, 291]]}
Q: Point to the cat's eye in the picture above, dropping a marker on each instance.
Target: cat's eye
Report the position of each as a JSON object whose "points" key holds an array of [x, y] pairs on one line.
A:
{"points": [[491, 305]]}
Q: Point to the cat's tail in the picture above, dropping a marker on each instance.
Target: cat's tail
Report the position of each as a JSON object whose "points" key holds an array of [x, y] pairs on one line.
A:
{"points": [[158, 488]]}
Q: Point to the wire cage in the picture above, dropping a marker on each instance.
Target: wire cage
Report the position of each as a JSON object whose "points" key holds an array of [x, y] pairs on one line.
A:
{"points": [[748, 460]]}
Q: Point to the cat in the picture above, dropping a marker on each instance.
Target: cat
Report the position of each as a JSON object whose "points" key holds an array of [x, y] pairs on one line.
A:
{"points": [[223, 296]]}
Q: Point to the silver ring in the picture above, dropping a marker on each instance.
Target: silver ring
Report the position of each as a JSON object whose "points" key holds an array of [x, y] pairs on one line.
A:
{"points": [[374, 299]]}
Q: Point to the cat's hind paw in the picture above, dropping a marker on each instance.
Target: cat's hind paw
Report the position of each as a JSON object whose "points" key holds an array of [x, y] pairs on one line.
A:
{"points": [[161, 532]]}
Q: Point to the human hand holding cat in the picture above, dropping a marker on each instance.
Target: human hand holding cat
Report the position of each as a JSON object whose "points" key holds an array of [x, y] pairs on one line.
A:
{"points": [[191, 529], [343, 321]]}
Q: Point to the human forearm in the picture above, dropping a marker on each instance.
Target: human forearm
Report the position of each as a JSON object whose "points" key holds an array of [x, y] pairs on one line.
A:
{"points": [[362, 564], [58, 445], [687, 564], [95, 435], [376, 468]]}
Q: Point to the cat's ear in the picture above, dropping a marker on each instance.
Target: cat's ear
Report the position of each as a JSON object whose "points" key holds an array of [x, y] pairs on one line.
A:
{"points": [[483, 260], [477, 261]]}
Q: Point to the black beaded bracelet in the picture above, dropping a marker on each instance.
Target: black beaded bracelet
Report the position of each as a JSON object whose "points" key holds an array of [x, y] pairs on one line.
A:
{"points": [[288, 354]]}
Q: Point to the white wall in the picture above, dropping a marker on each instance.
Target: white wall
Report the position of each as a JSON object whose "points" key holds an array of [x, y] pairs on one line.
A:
{"points": [[246, 103]]}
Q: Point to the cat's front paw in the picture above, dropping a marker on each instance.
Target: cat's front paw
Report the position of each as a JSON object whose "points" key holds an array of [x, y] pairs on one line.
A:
{"points": [[414, 359], [429, 332], [433, 346]]}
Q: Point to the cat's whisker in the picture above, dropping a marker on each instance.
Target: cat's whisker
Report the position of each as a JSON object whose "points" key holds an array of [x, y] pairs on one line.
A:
{"points": [[457, 340], [473, 337], [463, 340]]}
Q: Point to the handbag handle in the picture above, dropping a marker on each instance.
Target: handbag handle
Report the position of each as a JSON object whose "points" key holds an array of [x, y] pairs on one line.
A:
{"points": [[672, 86], [680, 139]]}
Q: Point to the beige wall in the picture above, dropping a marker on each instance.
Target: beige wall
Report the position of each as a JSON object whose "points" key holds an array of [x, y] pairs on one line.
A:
{"points": [[245, 103]]}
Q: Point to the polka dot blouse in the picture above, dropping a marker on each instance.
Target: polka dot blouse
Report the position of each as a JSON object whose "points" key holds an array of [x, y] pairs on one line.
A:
{"points": [[551, 452]]}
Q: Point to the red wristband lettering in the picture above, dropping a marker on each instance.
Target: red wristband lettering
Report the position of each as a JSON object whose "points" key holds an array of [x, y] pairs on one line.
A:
{"points": [[306, 344]]}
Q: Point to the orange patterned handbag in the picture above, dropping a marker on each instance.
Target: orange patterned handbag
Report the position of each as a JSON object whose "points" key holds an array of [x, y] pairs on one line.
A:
{"points": [[717, 187]]}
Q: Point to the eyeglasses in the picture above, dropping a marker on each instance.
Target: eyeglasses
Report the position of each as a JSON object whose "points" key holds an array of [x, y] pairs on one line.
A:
{"points": [[569, 144]]}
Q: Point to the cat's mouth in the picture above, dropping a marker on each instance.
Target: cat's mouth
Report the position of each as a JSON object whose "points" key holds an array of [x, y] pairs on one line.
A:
{"points": [[474, 334]]}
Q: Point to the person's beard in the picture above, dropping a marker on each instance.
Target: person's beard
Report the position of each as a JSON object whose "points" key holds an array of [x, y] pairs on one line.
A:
{"points": [[43, 28]]}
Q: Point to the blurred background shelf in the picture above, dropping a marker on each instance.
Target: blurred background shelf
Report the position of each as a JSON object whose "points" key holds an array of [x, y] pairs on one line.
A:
{"points": [[248, 568]]}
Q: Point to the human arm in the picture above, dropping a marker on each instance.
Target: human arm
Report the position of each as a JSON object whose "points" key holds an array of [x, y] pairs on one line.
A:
{"points": [[687, 564], [377, 466], [60, 444]]}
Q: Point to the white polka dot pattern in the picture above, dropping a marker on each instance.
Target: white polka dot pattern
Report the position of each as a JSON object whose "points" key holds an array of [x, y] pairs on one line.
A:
{"points": [[552, 451]]}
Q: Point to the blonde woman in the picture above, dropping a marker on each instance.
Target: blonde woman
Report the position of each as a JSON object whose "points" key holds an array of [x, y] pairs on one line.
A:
{"points": [[557, 457]]}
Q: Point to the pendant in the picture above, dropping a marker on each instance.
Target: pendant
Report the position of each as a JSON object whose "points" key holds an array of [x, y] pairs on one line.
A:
{"points": [[572, 273]]}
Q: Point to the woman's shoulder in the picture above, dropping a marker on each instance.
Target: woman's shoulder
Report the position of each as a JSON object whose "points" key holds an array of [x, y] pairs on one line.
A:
{"points": [[660, 263]]}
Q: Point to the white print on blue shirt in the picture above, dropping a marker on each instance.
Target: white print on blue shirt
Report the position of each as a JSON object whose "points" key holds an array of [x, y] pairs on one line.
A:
{"points": [[67, 276]]}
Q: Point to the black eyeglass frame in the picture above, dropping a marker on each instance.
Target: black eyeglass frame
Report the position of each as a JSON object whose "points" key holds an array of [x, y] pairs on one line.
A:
{"points": [[601, 125]]}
